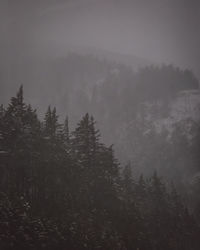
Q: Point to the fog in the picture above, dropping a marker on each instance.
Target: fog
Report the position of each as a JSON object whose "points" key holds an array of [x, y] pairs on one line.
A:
{"points": [[99, 124], [37, 37], [159, 31]]}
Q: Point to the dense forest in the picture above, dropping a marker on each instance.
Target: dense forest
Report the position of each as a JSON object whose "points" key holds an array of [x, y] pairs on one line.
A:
{"points": [[99, 125], [132, 108], [64, 189]]}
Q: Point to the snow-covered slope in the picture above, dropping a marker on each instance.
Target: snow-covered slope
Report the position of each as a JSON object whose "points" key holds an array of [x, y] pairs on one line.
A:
{"points": [[185, 107]]}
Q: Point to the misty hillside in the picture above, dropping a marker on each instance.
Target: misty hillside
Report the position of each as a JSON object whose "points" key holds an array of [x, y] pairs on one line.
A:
{"points": [[49, 70], [127, 59], [99, 125], [136, 109]]}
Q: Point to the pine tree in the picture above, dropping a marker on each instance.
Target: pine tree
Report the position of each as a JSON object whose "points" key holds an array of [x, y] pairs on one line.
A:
{"points": [[66, 131], [128, 181]]}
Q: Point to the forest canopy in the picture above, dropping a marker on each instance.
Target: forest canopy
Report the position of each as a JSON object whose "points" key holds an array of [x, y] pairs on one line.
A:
{"points": [[63, 189]]}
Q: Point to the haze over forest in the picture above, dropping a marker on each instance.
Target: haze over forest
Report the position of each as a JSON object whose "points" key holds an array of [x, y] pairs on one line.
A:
{"points": [[100, 124], [157, 31]]}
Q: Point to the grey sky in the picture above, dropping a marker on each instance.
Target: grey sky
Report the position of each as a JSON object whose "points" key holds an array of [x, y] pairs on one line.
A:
{"points": [[158, 30]]}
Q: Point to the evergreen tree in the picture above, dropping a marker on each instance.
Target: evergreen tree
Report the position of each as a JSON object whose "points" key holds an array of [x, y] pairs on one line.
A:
{"points": [[64, 190]]}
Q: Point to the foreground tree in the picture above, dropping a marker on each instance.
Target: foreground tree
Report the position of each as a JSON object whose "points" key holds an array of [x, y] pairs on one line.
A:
{"points": [[65, 190]]}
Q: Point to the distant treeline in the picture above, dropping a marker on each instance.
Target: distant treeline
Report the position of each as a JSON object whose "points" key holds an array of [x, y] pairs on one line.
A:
{"points": [[113, 92], [85, 83], [65, 190]]}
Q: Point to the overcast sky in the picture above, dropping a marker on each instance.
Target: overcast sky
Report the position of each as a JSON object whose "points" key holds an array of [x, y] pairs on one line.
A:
{"points": [[159, 30]]}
